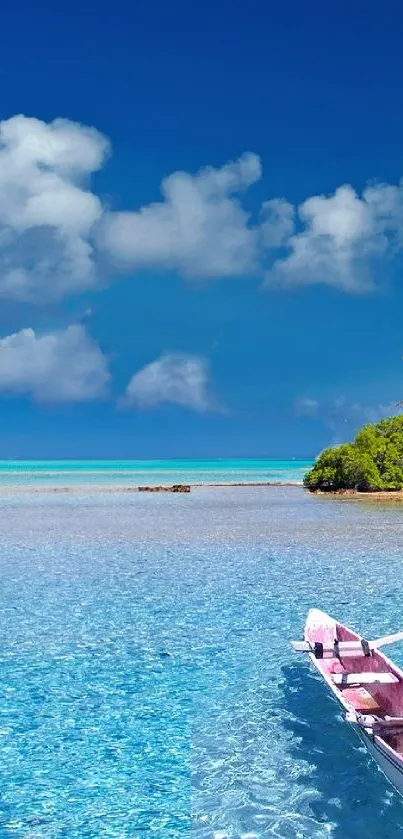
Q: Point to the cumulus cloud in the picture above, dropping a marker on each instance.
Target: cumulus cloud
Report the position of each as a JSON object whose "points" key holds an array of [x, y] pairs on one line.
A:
{"points": [[199, 229], [342, 237], [56, 237], [55, 233], [46, 212], [64, 366], [174, 378]]}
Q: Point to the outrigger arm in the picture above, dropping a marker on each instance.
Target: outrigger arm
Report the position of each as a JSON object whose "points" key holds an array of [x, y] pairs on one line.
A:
{"points": [[349, 647]]}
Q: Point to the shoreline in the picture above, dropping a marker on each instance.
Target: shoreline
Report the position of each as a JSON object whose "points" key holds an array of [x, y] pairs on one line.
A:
{"points": [[95, 489], [354, 495]]}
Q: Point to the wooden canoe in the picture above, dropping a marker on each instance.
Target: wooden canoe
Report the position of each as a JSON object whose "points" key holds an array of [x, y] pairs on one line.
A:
{"points": [[365, 682]]}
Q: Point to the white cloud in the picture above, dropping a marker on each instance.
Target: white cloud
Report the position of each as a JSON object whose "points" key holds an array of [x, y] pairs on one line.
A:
{"points": [[174, 377], [277, 222], [343, 236], [56, 237], [64, 366], [342, 417], [52, 227], [305, 406], [200, 228], [46, 213]]}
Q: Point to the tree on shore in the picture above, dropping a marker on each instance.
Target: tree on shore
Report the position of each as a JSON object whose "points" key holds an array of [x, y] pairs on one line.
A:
{"points": [[373, 461]]}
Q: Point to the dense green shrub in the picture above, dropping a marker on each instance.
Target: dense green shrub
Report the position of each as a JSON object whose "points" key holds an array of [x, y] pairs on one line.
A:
{"points": [[373, 461]]}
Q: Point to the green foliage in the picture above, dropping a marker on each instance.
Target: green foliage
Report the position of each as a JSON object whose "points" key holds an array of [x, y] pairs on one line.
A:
{"points": [[374, 461]]}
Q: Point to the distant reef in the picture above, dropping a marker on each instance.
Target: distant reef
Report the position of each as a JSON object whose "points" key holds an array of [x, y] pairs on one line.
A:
{"points": [[372, 463]]}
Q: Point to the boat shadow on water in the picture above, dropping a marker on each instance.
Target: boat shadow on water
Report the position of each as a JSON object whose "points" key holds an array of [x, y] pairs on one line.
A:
{"points": [[353, 795]]}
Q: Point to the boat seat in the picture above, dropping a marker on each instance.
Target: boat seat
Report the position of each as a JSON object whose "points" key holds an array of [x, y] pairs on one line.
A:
{"points": [[361, 700], [364, 678]]}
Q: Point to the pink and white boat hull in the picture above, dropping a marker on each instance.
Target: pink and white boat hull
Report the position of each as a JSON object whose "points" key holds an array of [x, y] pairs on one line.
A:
{"points": [[371, 706]]}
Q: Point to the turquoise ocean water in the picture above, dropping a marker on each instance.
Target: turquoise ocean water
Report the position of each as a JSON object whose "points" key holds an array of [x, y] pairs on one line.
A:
{"points": [[148, 689], [136, 472]]}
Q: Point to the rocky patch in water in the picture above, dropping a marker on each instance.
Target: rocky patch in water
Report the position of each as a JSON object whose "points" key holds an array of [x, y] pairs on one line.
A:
{"points": [[173, 488]]}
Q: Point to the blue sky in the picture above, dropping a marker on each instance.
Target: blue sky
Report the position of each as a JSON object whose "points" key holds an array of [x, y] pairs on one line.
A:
{"points": [[202, 255]]}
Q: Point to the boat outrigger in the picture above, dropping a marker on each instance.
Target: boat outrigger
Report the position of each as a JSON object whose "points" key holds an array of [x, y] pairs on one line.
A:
{"points": [[367, 684]]}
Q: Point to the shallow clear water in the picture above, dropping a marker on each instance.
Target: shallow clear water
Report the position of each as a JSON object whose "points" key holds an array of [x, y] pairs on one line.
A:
{"points": [[148, 688]]}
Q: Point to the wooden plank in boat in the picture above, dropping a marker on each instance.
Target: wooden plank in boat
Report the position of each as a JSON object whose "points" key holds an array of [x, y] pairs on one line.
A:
{"points": [[361, 700]]}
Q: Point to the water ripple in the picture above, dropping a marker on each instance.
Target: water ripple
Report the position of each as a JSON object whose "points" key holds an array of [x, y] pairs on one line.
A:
{"points": [[148, 689]]}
